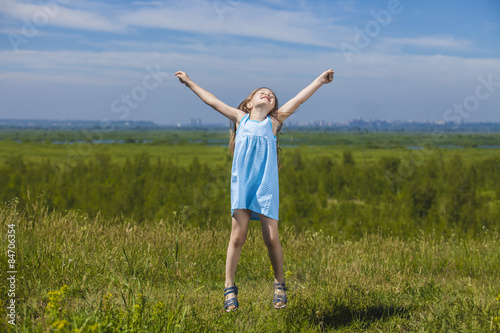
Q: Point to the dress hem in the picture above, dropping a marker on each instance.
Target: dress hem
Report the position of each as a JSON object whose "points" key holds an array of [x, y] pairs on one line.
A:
{"points": [[251, 219]]}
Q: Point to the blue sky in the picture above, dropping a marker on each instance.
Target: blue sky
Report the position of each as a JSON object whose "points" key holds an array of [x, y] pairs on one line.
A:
{"points": [[393, 59]]}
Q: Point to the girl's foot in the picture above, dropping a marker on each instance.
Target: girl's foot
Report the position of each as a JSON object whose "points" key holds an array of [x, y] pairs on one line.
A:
{"points": [[231, 302], [280, 300]]}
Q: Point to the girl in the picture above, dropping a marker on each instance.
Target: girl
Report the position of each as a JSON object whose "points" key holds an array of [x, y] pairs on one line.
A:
{"points": [[254, 174]]}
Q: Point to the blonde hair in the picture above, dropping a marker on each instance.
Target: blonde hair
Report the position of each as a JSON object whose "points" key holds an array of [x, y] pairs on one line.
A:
{"points": [[273, 113]]}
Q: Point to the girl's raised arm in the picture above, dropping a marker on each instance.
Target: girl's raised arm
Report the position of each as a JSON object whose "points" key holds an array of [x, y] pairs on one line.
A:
{"points": [[208, 98], [289, 107]]}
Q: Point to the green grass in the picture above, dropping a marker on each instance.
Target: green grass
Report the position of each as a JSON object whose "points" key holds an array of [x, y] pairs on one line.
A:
{"points": [[179, 146], [161, 275], [165, 275], [182, 154], [67, 154]]}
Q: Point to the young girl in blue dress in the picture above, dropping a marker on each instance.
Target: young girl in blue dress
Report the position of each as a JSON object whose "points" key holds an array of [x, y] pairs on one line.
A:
{"points": [[254, 174]]}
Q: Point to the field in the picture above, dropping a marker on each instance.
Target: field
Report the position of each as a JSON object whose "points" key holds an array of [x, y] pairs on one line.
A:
{"points": [[211, 146], [105, 275], [131, 236]]}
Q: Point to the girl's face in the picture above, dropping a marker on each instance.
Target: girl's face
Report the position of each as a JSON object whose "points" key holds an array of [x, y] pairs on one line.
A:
{"points": [[264, 97]]}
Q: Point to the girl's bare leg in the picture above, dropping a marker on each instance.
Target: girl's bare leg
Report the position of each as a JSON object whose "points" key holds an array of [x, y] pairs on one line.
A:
{"points": [[272, 240], [239, 229]]}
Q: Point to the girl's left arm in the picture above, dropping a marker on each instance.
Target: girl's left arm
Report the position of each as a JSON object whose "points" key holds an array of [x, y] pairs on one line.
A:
{"points": [[289, 107]]}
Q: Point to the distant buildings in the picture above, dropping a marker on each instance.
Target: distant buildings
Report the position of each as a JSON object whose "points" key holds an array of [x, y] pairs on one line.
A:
{"points": [[196, 122]]}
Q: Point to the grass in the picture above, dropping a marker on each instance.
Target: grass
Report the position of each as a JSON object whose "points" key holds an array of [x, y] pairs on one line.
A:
{"points": [[182, 154], [181, 146], [83, 274]]}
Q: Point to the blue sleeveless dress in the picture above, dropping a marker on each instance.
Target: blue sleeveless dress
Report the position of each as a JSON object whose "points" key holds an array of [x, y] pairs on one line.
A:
{"points": [[254, 173]]}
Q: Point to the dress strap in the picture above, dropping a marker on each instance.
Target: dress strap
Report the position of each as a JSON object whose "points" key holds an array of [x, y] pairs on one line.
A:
{"points": [[244, 119]]}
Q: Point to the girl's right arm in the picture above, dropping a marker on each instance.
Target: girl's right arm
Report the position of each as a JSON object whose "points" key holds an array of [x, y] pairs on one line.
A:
{"points": [[228, 111]]}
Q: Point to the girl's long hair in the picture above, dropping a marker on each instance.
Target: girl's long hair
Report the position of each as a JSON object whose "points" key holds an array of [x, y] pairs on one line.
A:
{"points": [[273, 113]]}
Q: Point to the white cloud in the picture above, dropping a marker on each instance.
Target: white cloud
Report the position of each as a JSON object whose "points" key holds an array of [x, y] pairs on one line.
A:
{"points": [[403, 86], [270, 63], [437, 42], [52, 13], [242, 19], [147, 3], [76, 67], [214, 52]]}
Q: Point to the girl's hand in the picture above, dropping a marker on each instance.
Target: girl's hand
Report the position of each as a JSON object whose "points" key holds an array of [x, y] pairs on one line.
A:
{"points": [[326, 77], [183, 77]]}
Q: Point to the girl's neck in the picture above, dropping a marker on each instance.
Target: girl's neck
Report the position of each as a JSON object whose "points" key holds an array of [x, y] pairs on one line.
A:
{"points": [[258, 114]]}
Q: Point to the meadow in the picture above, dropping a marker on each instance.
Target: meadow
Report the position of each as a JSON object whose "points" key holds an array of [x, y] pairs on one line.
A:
{"points": [[83, 274], [211, 146], [370, 183], [382, 232]]}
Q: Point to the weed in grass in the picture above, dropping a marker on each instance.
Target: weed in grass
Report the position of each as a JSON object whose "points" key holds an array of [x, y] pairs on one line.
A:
{"points": [[495, 321], [55, 310]]}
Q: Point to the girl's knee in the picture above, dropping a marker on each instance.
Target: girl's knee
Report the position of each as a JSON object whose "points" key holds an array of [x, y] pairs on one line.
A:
{"points": [[272, 242], [238, 239]]}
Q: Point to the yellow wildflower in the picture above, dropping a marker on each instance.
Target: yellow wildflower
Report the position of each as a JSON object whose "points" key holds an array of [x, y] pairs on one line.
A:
{"points": [[94, 327], [64, 289], [59, 324], [158, 308], [271, 271]]}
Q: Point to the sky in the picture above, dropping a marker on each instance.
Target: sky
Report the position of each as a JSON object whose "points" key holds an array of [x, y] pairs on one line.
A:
{"points": [[115, 60]]}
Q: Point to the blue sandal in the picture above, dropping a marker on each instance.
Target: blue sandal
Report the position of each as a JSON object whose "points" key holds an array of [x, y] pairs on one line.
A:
{"points": [[280, 298], [233, 301]]}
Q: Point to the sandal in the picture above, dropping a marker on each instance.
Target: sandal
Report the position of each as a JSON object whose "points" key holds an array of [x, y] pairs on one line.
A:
{"points": [[280, 300], [231, 304]]}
